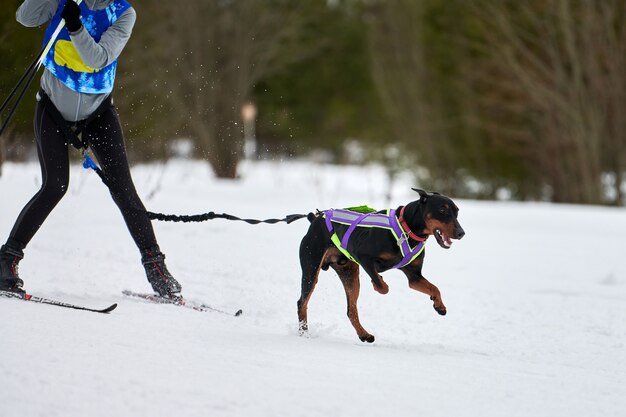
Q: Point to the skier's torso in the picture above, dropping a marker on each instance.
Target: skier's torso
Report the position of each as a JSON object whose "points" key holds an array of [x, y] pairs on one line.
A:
{"points": [[74, 105]]}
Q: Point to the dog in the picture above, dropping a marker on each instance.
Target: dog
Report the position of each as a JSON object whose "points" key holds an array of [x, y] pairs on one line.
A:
{"points": [[377, 241]]}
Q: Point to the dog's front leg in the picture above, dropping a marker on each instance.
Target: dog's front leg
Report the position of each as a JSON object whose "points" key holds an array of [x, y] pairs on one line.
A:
{"points": [[379, 284], [421, 284]]}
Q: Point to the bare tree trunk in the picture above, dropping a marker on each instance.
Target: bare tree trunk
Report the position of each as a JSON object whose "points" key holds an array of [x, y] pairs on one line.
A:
{"points": [[562, 58], [408, 87], [204, 58]]}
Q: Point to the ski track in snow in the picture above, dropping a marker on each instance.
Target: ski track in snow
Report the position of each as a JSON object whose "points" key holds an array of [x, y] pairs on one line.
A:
{"points": [[535, 295]]}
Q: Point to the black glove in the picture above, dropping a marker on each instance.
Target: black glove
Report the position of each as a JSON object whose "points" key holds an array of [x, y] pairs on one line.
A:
{"points": [[71, 14]]}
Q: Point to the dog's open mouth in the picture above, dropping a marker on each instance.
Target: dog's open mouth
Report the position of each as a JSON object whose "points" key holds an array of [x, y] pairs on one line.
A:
{"points": [[443, 239]]}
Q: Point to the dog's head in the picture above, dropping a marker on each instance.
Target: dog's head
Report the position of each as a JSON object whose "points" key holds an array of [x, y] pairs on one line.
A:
{"points": [[438, 217]]}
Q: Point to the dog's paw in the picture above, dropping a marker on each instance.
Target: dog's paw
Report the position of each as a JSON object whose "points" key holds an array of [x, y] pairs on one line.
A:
{"points": [[383, 288], [303, 329], [439, 307], [367, 338]]}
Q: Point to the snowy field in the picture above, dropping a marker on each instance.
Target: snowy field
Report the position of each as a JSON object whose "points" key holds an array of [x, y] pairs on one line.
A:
{"points": [[536, 298]]}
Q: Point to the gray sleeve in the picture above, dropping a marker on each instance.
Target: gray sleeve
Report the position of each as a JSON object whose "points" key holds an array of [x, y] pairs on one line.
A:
{"points": [[100, 54], [34, 13]]}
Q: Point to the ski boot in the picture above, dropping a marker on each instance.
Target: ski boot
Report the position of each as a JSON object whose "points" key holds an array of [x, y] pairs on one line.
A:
{"points": [[10, 255], [163, 283]]}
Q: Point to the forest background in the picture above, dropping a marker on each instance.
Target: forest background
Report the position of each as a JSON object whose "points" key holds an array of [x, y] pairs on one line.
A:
{"points": [[476, 98]]}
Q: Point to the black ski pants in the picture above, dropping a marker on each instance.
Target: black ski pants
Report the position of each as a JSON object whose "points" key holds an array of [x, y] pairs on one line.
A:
{"points": [[107, 144]]}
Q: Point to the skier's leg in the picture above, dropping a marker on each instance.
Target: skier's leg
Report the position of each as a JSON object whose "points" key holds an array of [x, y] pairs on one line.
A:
{"points": [[107, 142], [52, 150]]}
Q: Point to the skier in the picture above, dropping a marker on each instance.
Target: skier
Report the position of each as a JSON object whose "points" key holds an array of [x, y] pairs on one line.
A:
{"points": [[74, 104]]}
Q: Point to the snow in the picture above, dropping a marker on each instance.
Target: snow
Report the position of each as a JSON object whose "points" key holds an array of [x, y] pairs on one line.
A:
{"points": [[535, 295]]}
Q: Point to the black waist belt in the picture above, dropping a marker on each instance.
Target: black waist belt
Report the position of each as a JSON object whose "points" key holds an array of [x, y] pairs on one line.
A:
{"points": [[73, 131]]}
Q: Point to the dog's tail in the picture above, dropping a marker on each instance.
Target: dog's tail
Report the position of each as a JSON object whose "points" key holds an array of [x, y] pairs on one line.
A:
{"points": [[312, 216]]}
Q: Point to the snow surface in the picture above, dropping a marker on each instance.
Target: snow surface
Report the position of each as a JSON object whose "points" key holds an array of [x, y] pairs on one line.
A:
{"points": [[535, 295]]}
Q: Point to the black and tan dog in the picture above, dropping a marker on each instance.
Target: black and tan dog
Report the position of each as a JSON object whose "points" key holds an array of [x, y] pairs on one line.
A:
{"points": [[376, 250]]}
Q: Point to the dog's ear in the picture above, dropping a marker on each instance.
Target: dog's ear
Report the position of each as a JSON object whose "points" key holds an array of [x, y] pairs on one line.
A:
{"points": [[423, 194]]}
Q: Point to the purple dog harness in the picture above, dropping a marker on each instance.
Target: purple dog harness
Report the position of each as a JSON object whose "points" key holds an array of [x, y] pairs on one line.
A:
{"points": [[389, 221]]}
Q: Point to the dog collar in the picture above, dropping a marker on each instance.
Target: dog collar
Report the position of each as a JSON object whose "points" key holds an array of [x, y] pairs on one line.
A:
{"points": [[407, 229]]}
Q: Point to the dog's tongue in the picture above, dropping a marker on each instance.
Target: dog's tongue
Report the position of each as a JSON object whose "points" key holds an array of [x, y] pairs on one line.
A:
{"points": [[446, 240]]}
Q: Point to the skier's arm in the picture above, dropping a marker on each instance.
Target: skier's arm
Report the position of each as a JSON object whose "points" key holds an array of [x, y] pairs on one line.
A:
{"points": [[34, 13], [100, 54]]}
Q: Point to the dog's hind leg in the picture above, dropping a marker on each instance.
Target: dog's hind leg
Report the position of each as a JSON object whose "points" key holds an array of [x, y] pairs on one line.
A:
{"points": [[349, 275], [312, 252]]}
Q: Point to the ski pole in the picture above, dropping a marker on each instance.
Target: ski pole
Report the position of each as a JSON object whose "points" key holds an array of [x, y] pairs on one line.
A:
{"points": [[19, 83], [30, 73], [17, 102]]}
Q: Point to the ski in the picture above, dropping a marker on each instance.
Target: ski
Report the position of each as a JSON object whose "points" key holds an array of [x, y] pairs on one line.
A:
{"points": [[182, 302], [41, 300]]}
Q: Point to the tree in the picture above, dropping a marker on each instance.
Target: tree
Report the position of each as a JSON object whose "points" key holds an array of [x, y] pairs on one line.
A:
{"points": [[528, 95], [327, 97], [18, 46], [555, 72], [203, 60]]}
